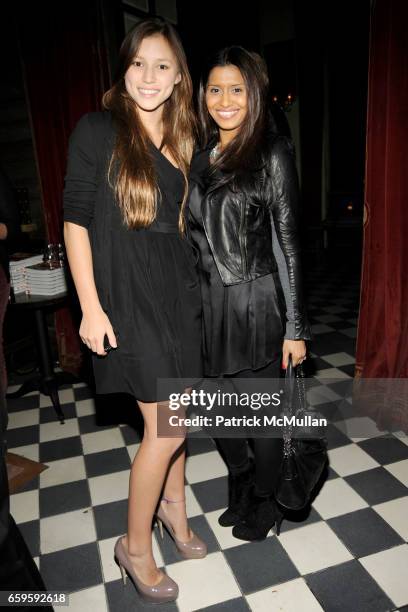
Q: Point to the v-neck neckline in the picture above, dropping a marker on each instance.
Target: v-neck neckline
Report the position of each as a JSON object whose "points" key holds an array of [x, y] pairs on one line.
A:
{"points": [[163, 155]]}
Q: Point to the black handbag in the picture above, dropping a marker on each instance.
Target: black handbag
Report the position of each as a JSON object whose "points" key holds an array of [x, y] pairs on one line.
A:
{"points": [[304, 446]]}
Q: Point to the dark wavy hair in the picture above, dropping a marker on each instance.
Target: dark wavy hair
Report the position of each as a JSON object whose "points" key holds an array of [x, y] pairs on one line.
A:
{"points": [[244, 152]]}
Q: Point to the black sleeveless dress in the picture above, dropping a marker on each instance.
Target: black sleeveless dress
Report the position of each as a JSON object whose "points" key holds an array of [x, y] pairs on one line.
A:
{"points": [[155, 299]]}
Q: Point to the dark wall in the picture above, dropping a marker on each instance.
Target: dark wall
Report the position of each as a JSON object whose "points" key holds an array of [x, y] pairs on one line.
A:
{"points": [[210, 25], [332, 37], [334, 32], [348, 79], [16, 143]]}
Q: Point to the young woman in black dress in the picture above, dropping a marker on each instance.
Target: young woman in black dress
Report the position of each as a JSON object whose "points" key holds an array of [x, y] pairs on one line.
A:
{"points": [[124, 201], [243, 213]]}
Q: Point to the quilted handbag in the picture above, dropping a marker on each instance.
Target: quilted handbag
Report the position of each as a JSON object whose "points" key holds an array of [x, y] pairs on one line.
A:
{"points": [[304, 447]]}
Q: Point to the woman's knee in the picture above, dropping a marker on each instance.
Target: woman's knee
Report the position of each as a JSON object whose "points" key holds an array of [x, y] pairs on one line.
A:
{"points": [[165, 445]]}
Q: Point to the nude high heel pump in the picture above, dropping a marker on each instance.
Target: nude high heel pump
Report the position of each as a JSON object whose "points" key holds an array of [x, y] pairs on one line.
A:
{"points": [[194, 548], [166, 590]]}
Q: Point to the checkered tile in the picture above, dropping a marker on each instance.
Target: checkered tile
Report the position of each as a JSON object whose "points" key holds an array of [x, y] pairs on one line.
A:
{"points": [[349, 552]]}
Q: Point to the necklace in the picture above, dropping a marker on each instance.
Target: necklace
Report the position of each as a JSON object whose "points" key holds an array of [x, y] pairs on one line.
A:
{"points": [[215, 152]]}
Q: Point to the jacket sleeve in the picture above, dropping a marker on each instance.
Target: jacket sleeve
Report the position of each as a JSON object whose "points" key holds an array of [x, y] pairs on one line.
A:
{"points": [[81, 176], [283, 205]]}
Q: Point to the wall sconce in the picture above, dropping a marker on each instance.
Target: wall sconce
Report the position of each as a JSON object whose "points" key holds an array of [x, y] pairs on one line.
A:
{"points": [[285, 102]]}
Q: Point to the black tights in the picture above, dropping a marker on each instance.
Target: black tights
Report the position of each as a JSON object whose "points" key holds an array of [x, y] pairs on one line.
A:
{"points": [[267, 451]]}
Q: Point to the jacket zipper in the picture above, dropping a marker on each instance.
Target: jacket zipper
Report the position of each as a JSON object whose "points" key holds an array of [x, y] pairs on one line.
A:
{"points": [[207, 236]]}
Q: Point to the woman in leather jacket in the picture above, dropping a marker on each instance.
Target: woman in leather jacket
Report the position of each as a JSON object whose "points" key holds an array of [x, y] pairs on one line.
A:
{"points": [[243, 218]]}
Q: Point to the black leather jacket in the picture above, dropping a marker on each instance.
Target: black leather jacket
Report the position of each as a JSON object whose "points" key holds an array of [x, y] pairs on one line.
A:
{"points": [[241, 223]]}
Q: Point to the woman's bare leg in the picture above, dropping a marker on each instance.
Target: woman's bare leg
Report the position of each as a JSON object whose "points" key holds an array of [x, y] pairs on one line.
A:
{"points": [[174, 490], [147, 476]]}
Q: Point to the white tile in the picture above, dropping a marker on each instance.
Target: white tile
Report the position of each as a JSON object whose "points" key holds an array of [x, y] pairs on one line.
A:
{"points": [[66, 396], [23, 418], [359, 428], [45, 401], [79, 385], [85, 407], [25, 506], [156, 549], [203, 582], [31, 451], [88, 599], [132, 450], [337, 497], [321, 395], [223, 535], [110, 568], [321, 328], [389, 569], [289, 596], [205, 466], [193, 508], [13, 388], [109, 487], [57, 431], [339, 359], [399, 469], [395, 512], [350, 459], [66, 530], [314, 547], [102, 440], [333, 373], [62, 471]]}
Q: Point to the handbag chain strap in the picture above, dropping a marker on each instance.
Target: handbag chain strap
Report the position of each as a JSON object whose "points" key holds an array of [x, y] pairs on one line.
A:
{"points": [[287, 431], [301, 387]]}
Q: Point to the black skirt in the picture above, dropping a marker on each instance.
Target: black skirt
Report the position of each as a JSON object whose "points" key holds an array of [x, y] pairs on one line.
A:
{"points": [[242, 325], [155, 300]]}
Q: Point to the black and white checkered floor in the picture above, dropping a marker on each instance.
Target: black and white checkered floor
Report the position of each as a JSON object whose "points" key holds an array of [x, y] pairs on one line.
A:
{"points": [[350, 553]]}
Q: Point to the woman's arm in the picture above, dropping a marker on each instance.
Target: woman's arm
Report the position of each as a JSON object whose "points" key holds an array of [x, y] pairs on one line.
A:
{"points": [[79, 201], [284, 280], [284, 197], [95, 324]]}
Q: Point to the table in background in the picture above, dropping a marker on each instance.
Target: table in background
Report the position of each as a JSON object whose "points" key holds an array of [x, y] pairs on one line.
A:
{"points": [[46, 381]]}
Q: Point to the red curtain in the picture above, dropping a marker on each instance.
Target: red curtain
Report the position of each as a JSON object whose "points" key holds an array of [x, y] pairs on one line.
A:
{"points": [[382, 339], [66, 72]]}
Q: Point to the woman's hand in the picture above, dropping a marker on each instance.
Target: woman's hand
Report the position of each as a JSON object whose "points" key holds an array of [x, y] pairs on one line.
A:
{"points": [[296, 348], [94, 326]]}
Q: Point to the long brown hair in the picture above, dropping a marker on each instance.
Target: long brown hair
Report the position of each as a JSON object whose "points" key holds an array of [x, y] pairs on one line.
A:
{"points": [[243, 152], [131, 171]]}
